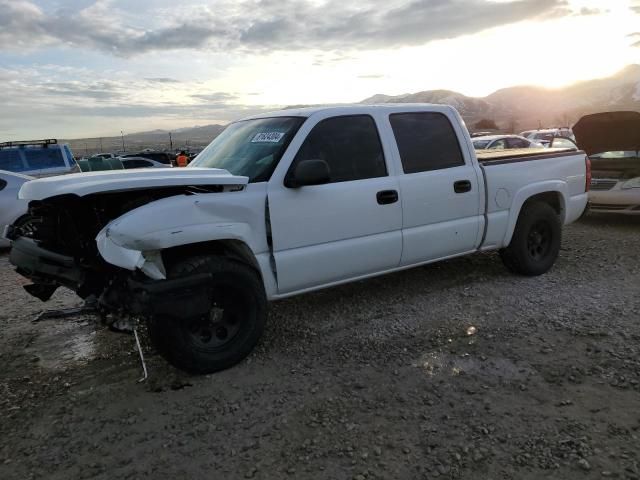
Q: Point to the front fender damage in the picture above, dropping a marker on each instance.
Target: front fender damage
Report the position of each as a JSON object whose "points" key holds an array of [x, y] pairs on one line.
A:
{"points": [[149, 262], [135, 240]]}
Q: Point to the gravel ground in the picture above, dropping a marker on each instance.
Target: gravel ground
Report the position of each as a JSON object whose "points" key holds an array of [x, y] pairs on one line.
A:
{"points": [[454, 370]]}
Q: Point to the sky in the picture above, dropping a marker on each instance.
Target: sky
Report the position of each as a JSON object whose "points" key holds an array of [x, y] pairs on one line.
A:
{"points": [[89, 68]]}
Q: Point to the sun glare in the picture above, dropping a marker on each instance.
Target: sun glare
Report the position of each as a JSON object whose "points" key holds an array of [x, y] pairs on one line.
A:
{"points": [[553, 53]]}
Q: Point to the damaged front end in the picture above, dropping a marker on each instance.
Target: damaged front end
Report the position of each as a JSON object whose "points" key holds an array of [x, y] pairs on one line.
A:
{"points": [[67, 243]]}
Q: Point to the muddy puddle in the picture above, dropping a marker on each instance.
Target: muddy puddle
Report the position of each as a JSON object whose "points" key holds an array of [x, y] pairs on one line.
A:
{"points": [[63, 343]]}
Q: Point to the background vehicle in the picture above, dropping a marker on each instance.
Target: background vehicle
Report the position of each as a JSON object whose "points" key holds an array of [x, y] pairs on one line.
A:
{"points": [[37, 158], [612, 140], [140, 162], [563, 142], [526, 133], [12, 209], [502, 142], [481, 134], [160, 157], [104, 155], [546, 135], [285, 203]]}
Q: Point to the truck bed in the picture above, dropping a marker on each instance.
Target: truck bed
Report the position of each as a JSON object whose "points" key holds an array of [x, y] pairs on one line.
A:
{"points": [[497, 157]]}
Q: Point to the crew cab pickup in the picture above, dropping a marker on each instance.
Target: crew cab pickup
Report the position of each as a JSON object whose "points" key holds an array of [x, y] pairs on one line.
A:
{"points": [[285, 203]]}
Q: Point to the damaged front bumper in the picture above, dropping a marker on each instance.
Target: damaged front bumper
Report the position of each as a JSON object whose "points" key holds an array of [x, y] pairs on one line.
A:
{"points": [[150, 262], [184, 297], [35, 262]]}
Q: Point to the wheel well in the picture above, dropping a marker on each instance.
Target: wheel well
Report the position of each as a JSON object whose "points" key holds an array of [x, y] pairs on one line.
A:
{"points": [[554, 199], [229, 248]]}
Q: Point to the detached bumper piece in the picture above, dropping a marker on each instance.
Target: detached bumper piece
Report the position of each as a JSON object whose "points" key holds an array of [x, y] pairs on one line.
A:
{"points": [[45, 268], [185, 297]]}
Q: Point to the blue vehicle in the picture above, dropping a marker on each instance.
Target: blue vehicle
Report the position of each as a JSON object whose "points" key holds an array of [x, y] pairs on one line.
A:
{"points": [[37, 158]]}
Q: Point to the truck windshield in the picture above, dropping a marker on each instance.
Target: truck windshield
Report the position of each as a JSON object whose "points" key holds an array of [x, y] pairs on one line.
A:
{"points": [[250, 148]]}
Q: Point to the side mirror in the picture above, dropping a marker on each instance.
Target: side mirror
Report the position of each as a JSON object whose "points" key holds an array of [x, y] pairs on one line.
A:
{"points": [[308, 172]]}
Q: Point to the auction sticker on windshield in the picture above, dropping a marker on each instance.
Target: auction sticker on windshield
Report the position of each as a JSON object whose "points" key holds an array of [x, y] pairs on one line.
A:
{"points": [[267, 137]]}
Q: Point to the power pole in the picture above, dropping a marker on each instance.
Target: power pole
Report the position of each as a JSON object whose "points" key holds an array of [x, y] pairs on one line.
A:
{"points": [[101, 149], [170, 142], [86, 149], [122, 136]]}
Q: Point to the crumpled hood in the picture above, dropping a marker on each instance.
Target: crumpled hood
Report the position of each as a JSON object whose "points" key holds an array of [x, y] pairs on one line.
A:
{"points": [[82, 184], [608, 132]]}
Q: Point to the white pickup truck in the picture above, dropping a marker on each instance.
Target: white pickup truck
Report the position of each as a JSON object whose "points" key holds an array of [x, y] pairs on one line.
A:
{"points": [[286, 203]]}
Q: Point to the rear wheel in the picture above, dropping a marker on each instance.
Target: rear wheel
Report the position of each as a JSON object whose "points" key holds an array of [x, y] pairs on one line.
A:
{"points": [[535, 244], [230, 329]]}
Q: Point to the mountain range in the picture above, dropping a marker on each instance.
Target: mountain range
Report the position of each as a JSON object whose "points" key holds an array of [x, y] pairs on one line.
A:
{"points": [[525, 107]]}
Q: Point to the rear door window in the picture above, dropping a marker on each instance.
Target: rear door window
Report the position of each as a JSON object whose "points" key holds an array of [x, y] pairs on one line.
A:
{"points": [[498, 145], [426, 141], [12, 161], [517, 143]]}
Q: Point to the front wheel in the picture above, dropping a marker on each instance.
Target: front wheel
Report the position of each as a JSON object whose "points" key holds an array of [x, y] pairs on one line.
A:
{"points": [[231, 328], [535, 244]]}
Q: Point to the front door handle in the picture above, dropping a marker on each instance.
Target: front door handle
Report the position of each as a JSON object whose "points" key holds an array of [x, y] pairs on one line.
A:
{"points": [[385, 197], [462, 186]]}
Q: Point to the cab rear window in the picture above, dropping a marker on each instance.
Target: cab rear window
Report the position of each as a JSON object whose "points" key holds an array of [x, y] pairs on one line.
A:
{"points": [[42, 158], [11, 161], [29, 159]]}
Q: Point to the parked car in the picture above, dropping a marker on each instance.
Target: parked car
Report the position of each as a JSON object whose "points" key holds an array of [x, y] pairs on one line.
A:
{"points": [[612, 141], [140, 162], [160, 157], [12, 209], [285, 203], [104, 155], [37, 158], [546, 135], [526, 133], [562, 142], [502, 142], [481, 134]]}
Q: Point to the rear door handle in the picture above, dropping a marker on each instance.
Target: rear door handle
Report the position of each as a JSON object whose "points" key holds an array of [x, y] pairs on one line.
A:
{"points": [[462, 186], [385, 197]]}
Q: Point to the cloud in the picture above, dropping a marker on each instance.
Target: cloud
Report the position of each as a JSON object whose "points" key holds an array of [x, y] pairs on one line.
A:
{"points": [[585, 11], [215, 96], [260, 25], [100, 90], [58, 101], [372, 76], [636, 43], [161, 80]]}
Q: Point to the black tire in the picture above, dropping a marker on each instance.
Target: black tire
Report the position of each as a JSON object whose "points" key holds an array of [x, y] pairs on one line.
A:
{"points": [[232, 328], [535, 244]]}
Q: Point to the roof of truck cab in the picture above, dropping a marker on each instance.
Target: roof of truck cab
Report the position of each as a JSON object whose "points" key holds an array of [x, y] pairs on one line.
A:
{"points": [[352, 110]]}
